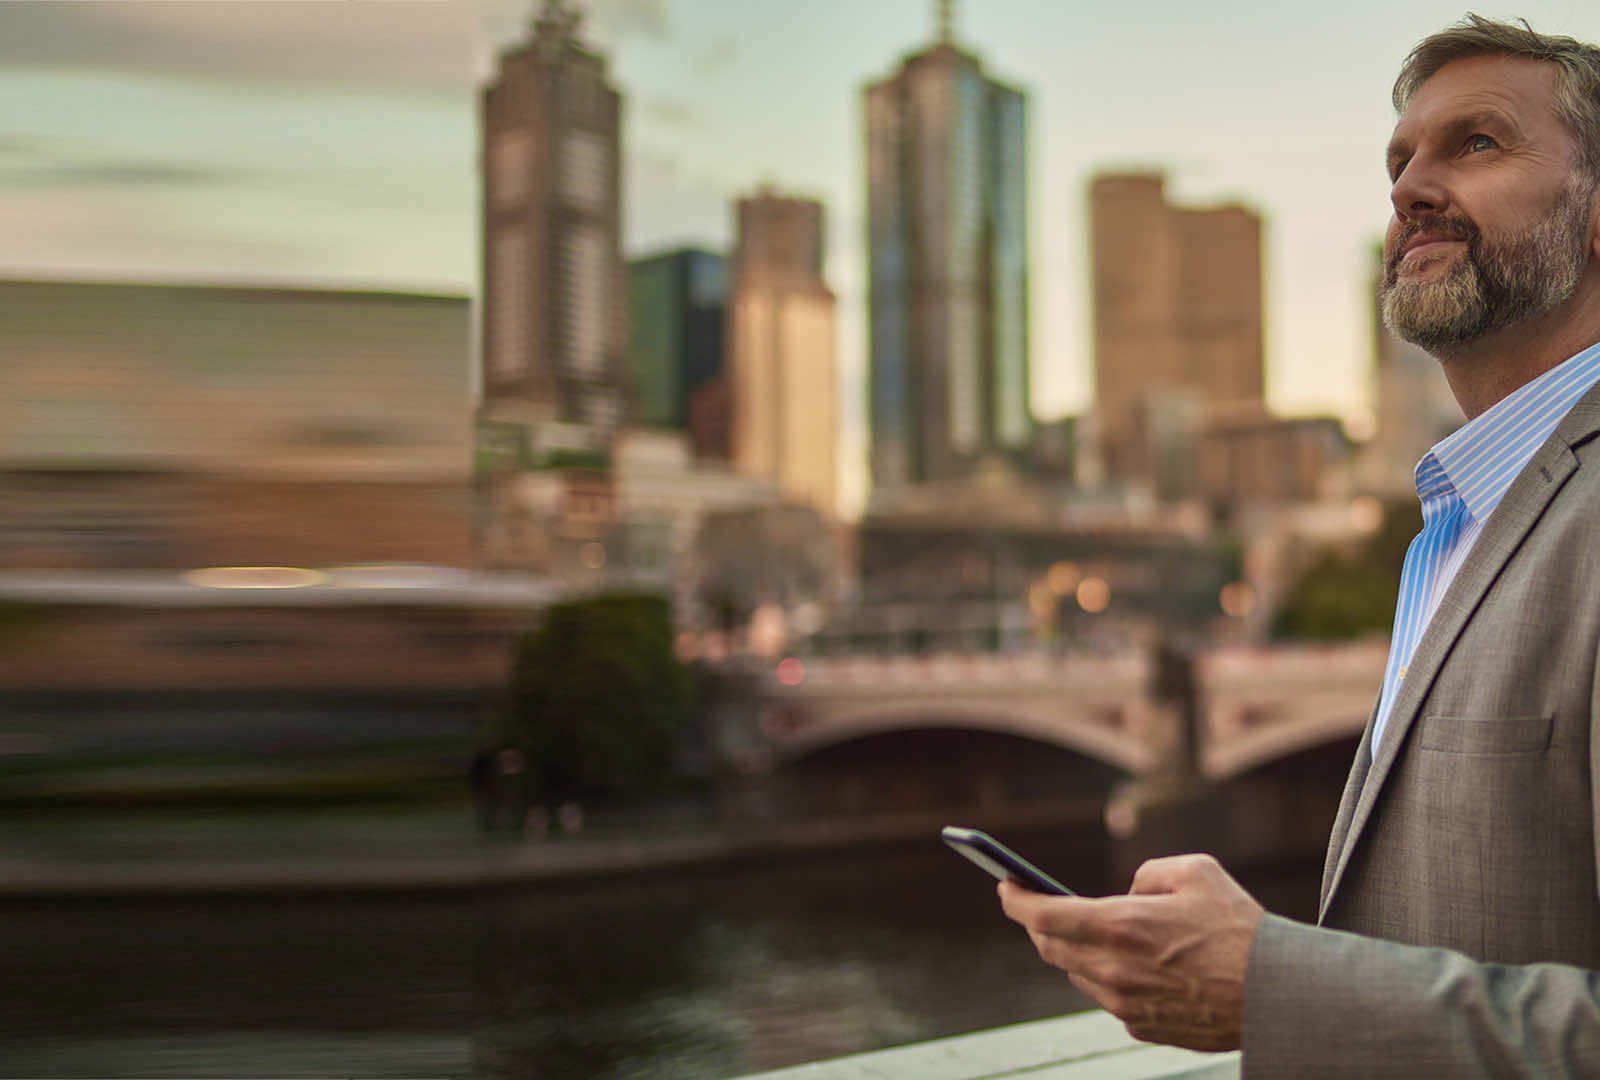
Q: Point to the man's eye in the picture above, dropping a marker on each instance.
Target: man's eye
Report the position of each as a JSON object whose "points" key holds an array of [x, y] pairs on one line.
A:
{"points": [[1481, 142]]}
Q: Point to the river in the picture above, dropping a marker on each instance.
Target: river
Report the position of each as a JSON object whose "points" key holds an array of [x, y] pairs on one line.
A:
{"points": [[708, 974]]}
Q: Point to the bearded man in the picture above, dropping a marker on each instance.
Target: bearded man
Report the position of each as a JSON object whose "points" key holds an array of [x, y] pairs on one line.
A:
{"points": [[1459, 925]]}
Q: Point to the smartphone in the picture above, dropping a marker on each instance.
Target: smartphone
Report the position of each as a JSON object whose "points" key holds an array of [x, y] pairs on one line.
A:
{"points": [[1001, 861]]}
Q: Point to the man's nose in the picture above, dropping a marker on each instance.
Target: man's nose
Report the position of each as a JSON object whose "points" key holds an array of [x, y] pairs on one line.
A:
{"points": [[1419, 190]]}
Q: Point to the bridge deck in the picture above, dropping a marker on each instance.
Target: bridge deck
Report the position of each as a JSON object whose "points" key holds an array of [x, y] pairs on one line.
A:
{"points": [[1087, 1045]]}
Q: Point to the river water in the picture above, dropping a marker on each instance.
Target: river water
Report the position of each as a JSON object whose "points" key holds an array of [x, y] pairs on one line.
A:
{"points": [[714, 973]]}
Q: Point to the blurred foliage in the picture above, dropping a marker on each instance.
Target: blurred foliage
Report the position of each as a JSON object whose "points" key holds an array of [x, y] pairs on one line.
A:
{"points": [[1349, 593], [598, 698], [22, 622]]}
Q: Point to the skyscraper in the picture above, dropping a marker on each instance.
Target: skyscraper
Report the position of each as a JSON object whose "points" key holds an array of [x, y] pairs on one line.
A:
{"points": [[677, 305], [554, 288], [948, 267], [780, 367], [1177, 320]]}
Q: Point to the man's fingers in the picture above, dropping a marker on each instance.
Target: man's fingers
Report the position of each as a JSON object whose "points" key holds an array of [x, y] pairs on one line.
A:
{"points": [[1072, 917], [1172, 873]]}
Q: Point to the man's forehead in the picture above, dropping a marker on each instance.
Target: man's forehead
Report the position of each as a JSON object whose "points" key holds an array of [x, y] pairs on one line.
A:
{"points": [[1518, 89]]}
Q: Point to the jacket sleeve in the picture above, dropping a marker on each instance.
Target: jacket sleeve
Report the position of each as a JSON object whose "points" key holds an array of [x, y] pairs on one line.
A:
{"points": [[1326, 1003]]}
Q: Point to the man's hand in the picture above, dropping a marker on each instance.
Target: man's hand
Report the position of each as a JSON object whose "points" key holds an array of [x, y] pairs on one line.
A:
{"points": [[1168, 960]]}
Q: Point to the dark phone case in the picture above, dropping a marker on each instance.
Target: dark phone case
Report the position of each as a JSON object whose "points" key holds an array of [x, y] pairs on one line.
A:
{"points": [[1001, 861]]}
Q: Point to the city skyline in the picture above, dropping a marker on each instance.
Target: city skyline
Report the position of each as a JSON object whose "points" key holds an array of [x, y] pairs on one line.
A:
{"points": [[333, 143]]}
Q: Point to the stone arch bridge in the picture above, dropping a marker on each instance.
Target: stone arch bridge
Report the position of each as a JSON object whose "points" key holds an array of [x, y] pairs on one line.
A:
{"points": [[1230, 710]]}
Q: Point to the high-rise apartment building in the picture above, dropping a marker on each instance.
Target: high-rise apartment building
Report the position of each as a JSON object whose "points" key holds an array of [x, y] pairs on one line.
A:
{"points": [[948, 268], [1177, 319], [677, 307], [783, 386], [554, 334]]}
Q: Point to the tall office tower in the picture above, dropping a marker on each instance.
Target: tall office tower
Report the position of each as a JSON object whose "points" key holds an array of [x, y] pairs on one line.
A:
{"points": [[948, 268], [676, 303], [554, 283], [1177, 320], [780, 366]]}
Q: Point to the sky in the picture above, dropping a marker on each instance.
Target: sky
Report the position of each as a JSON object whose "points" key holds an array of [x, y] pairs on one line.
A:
{"points": [[334, 143]]}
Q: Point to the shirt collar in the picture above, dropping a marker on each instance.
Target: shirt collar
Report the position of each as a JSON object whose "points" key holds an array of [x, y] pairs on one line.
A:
{"points": [[1480, 459]]}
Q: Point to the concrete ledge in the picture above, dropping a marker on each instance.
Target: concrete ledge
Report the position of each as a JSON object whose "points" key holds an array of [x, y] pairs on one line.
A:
{"points": [[1087, 1045]]}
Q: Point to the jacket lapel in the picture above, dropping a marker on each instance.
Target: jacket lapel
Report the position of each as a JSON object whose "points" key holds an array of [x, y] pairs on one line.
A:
{"points": [[1347, 807], [1504, 532]]}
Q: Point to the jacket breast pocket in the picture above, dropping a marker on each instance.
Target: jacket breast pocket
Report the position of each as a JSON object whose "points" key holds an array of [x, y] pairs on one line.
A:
{"points": [[1485, 734]]}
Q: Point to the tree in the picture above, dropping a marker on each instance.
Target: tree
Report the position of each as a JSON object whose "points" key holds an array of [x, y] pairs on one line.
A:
{"points": [[1348, 595], [598, 700]]}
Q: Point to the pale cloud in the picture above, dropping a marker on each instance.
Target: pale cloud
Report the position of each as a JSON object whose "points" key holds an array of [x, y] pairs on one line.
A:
{"points": [[671, 113], [669, 206], [115, 175], [720, 54], [418, 46], [631, 18]]}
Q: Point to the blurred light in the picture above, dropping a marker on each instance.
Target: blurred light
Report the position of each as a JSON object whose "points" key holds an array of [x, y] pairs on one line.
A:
{"points": [[593, 555], [791, 672], [1361, 426], [393, 576], [687, 646], [1238, 599], [1041, 600], [1094, 595], [1366, 514], [254, 577], [769, 630], [1064, 577], [807, 618]]}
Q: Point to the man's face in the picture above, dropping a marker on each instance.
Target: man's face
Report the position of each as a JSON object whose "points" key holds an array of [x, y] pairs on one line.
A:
{"points": [[1492, 216]]}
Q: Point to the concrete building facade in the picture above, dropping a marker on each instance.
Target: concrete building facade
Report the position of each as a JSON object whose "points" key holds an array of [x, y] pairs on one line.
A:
{"points": [[781, 366], [554, 333], [1177, 314]]}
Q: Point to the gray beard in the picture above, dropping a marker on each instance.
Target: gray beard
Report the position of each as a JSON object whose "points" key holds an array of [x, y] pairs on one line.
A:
{"points": [[1495, 285]]}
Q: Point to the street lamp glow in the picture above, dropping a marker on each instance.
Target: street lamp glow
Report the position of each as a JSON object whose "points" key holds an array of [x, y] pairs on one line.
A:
{"points": [[1063, 578], [1094, 595], [1238, 599], [1366, 514]]}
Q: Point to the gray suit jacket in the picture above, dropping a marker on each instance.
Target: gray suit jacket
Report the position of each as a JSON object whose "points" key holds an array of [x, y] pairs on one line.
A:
{"points": [[1460, 916]]}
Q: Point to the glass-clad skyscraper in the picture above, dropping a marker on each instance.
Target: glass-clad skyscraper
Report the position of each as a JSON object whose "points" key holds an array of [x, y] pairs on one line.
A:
{"points": [[948, 268], [677, 305]]}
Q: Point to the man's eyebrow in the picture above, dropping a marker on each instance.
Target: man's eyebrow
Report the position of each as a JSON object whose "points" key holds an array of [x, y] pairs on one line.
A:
{"points": [[1483, 118], [1400, 147]]}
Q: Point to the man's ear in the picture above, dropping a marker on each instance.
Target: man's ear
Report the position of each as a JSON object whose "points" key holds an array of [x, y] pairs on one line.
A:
{"points": [[1594, 221]]}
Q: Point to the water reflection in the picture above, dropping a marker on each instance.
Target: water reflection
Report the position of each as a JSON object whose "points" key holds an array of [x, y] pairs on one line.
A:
{"points": [[742, 970], [669, 977]]}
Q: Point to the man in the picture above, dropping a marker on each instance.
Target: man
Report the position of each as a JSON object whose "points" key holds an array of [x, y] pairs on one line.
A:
{"points": [[1459, 932]]}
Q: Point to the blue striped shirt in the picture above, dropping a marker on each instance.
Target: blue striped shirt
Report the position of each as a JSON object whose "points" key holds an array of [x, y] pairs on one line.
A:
{"points": [[1460, 482]]}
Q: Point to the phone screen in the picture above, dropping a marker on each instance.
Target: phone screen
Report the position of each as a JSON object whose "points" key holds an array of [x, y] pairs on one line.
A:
{"points": [[1000, 861]]}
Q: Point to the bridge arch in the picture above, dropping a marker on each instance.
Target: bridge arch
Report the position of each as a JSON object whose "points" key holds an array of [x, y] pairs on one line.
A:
{"points": [[1097, 742], [1260, 745]]}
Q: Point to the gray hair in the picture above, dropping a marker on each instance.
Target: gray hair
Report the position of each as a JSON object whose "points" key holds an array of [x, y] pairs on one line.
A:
{"points": [[1577, 72]]}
